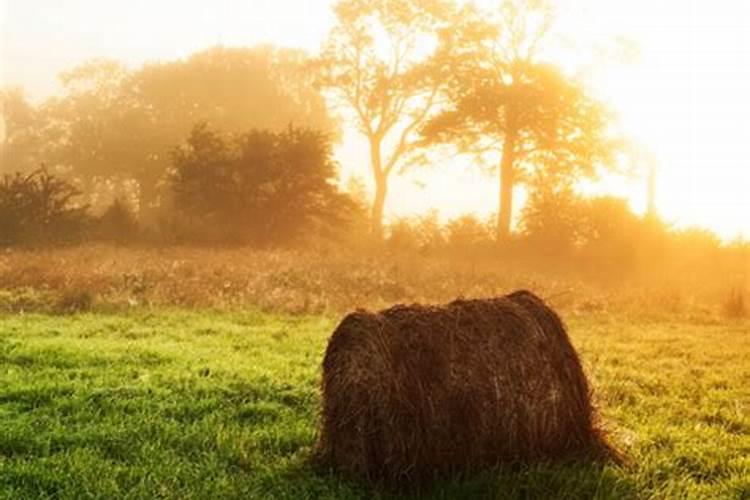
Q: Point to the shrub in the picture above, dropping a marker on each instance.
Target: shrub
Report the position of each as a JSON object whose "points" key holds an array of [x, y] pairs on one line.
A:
{"points": [[39, 208], [467, 232]]}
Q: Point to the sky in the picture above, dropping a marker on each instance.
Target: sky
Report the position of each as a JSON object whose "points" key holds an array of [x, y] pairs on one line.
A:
{"points": [[684, 97]]}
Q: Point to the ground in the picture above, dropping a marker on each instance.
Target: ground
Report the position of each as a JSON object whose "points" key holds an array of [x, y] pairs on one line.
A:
{"points": [[187, 404]]}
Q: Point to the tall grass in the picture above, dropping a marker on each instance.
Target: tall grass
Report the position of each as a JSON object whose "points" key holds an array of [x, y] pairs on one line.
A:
{"points": [[319, 280]]}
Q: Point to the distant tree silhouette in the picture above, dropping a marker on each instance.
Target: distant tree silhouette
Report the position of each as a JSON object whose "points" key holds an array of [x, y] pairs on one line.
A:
{"points": [[505, 101], [383, 61], [260, 187]]}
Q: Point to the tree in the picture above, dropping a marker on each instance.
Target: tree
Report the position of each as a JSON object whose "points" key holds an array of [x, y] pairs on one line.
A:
{"points": [[260, 187], [505, 101], [117, 124], [384, 62], [39, 208], [23, 144], [98, 129]]}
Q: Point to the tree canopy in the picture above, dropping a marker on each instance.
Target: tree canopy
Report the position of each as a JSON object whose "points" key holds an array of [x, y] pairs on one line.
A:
{"points": [[259, 187], [505, 100], [38, 208], [117, 123]]}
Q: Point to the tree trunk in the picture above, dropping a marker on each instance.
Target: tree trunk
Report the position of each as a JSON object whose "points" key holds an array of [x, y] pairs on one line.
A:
{"points": [[378, 205], [507, 179], [381, 190]]}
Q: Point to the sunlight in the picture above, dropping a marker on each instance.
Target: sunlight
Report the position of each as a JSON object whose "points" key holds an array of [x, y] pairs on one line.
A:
{"points": [[683, 98], [374, 248]]}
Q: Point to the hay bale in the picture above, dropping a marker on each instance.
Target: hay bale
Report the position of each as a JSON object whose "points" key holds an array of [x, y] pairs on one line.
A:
{"points": [[416, 393]]}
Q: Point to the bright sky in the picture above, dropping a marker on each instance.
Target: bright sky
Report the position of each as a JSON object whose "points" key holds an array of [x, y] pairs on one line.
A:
{"points": [[686, 99]]}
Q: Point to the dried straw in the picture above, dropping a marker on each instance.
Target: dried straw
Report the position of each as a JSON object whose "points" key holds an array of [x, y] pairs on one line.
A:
{"points": [[416, 393]]}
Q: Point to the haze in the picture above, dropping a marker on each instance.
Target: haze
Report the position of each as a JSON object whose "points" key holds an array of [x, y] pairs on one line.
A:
{"points": [[684, 97]]}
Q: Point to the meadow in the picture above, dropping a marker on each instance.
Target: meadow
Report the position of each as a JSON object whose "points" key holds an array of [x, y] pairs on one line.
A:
{"points": [[693, 286], [183, 226], [171, 403], [194, 373]]}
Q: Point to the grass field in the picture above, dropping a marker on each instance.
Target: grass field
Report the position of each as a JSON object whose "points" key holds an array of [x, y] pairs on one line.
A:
{"points": [[177, 404]]}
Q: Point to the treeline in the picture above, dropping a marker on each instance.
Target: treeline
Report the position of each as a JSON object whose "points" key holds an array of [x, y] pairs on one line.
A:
{"points": [[234, 145], [112, 132], [230, 146], [269, 189], [258, 188], [477, 86], [587, 237]]}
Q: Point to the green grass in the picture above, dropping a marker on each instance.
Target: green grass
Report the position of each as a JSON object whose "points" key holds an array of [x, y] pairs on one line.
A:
{"points": [[220, 405]]}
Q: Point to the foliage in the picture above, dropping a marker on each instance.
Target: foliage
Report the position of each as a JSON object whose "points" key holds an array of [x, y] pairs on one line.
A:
{"points": [[467, 233], [20, 145], [117, 123], [505, 101], [39, 208], [552, 221], [179, 404], [423, 234], [259, 187], [603, 233]]}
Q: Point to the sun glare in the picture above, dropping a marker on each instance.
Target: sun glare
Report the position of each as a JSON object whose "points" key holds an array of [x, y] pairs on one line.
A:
{"points": [[676, 74], [685, 100]]}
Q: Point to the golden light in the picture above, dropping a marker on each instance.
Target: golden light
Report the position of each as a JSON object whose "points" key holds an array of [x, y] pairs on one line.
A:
{"points": [[685, 98]]}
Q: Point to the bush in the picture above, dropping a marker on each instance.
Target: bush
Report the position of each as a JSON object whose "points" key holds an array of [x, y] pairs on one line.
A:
{"points": [[424, 235], [39, 208], [467, 232]]}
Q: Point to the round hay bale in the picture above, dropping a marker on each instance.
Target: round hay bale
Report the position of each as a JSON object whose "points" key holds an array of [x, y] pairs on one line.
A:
{"points": [[416, 393]]}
